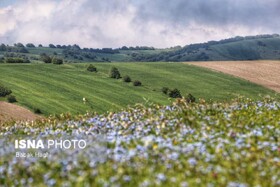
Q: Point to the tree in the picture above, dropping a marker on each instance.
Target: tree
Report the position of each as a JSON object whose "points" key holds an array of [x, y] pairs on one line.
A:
{"points": [[114, 73], [18, 45], [190, 98], [165, 90], [57, 61], [3, 47], [126, 79], [175, 93], [40, 45], [30, 45], [137, 83], [45, 58], [92, 68], [52, 46], [11, 99], [4, 91]]}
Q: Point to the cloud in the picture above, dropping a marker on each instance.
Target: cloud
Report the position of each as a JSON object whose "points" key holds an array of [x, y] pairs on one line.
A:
{"points": [[159, 23]]}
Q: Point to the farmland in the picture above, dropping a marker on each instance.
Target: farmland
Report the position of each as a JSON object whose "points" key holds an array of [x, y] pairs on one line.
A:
{"points": [[60, 89], [265, 73]]}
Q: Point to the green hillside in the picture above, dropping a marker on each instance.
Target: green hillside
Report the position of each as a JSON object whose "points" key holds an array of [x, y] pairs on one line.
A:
{"points": [[238, 48], [61, 88]]}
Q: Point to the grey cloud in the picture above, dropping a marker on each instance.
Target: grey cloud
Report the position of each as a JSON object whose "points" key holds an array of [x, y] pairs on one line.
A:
{"points": [[213, 12], [159, 23]]}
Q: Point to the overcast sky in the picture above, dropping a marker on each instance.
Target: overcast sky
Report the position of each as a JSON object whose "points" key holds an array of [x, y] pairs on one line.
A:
{"points": [[115, 23]]}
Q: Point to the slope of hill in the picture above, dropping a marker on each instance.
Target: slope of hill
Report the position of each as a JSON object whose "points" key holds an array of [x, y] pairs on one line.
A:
{"points": [[239, 48], [59, 89]]}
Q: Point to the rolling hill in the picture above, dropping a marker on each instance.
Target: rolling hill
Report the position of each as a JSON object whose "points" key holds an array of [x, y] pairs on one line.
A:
{"points": [[259, 47], [58, 89]]}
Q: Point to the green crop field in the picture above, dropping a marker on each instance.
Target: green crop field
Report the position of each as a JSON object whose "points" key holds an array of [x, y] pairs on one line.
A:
{"points": [[58, 89]]}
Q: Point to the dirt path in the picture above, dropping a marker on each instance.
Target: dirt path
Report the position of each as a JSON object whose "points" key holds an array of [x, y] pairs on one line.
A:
{"points": [[11, 112], [265, 73]]}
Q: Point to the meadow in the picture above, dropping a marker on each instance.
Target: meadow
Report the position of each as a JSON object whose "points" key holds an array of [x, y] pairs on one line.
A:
{"points": [[56, 89]]}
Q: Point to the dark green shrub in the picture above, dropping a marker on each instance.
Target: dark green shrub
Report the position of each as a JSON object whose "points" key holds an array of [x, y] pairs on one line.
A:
{"points": [[37, 111], [1, 60], [4, 91], [16, 60], [137, 83], [114, 73], [190, 98], [92, 68], [126, 79], [175, 93], [45, 58], [57, 61], [165, 90], [11, 99]]}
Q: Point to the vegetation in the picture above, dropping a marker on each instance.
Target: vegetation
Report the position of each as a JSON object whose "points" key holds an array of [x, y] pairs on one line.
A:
{"points": [[190, 98], [202, 144], [114, 73], [60, 89], [91, 68], [45, 58], [175, 93], [165, 90], [126, 79], [57, 61], [137, 83], [16, 60], [4, 91], [11, 99]]}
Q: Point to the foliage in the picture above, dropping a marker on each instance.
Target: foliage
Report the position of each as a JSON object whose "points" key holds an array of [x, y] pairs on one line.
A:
{"points": [[11, 99], [190, 98], [57, 61], [91, 68], [16, 60], [164, 90], [45, 58], [37, 111], [114, 73], [4, 91], [137, 83], [30, 45], [126, 79], [175, 93], [52, 46]]}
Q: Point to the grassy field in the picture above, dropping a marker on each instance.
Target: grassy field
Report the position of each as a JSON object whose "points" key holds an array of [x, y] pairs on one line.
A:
{"points": [[59, 89]]}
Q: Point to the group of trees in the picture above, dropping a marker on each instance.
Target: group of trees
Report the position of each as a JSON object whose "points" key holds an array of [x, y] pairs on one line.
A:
{"points": [[17, 48], [175, 93], [115, 74], [5, 92]]}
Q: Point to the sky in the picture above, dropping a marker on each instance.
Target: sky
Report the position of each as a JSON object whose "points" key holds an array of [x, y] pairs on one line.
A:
{"points": [[117, 23]]}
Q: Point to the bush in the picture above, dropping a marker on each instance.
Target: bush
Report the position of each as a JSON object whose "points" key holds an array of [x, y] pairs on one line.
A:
{"points": [[190, 98], [1, 60], [4, 91], [126, 79], [165, 90], [11, 99], [92, 68], [175, 93], [30, 45], [137, 83], [45, 58], [16, 60], [114, 73], [37, 111], [57, 61]]}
